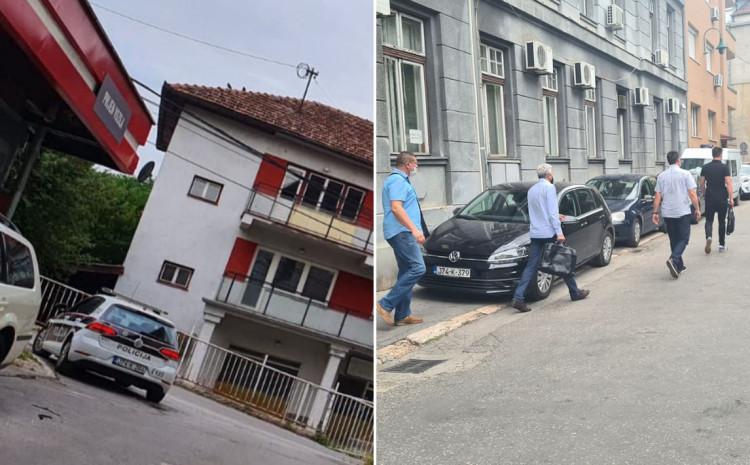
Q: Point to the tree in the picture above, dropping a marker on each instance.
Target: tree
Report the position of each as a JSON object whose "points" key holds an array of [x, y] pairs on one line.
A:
{"points": [[73, 214]]}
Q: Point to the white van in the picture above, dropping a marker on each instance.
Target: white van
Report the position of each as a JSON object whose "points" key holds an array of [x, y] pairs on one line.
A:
{"points": [[693, 160], [20, 292]]}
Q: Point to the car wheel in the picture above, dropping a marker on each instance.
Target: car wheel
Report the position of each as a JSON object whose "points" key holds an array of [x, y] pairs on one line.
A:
{"points": [[605, 251], [540, 287], [155, 394], [635, 233], [64, 365], [36, 347]]}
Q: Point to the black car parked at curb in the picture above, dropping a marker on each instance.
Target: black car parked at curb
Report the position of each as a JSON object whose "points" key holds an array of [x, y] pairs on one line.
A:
{"points": [[483, 248], [630, 198]]}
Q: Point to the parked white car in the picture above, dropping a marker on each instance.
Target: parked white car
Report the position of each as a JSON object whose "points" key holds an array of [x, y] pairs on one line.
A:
{"points": [[745, 182], [116, 338], [20, 292]]}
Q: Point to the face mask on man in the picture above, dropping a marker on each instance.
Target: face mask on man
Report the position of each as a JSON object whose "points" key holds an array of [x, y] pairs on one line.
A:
{"points": [[413, 171]]}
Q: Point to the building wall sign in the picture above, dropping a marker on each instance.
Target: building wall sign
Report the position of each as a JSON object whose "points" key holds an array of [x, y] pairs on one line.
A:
{"points": [[112, 109]]}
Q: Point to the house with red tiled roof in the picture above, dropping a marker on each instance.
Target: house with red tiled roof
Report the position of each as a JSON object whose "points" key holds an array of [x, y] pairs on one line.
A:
{"points": [[258, 234]]}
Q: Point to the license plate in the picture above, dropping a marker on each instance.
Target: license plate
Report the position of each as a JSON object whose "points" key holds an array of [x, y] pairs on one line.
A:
{"points": [[132, 366], [453, 272]]}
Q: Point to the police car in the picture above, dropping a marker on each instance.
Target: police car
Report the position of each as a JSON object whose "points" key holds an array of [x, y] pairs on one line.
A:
{"points": [[116, 338]]}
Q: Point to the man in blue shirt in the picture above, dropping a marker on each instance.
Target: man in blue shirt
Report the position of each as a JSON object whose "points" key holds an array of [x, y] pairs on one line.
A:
{"points": [[402, 228], [544, 217]]}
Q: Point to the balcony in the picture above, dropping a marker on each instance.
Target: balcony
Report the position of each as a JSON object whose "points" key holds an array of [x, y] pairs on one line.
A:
{"points": [[316, 222], [262, 298]]}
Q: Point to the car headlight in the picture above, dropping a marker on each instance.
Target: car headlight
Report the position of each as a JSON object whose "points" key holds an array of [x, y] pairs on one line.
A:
{"points": [[618, 217], [513, 253]]}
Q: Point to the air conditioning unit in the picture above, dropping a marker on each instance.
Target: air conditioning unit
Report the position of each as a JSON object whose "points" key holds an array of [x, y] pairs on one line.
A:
{"points": [[661, 58], [622, 102], [538, 57], [614, 17], [715, 12], [584, 75], [718, 80], [640, 96], [673, 106]]}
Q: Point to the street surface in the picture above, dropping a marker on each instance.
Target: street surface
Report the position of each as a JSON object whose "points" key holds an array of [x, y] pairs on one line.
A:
{"points": [[647, 370], [88, 420]]}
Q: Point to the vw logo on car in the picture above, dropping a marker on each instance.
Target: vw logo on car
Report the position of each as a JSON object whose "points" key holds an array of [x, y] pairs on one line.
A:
{"points": [[454, 256]]}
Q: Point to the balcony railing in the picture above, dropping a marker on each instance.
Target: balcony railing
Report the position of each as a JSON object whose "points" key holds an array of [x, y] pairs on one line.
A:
{"points": [[261, 297], [320, 223]]}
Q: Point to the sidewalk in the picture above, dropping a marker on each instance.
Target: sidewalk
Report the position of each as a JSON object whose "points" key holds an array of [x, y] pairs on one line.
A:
{"points": [[28, 365]]}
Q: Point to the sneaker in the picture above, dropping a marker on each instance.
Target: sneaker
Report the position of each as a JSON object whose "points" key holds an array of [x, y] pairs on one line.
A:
{"points": [[520, 305], [582, 294], [409, 320], [722, 248], [384, 314], [672, 269], [708, 246]]}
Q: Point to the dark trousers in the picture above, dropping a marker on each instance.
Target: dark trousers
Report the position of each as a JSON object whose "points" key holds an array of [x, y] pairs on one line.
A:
{"points": [[718, 206], [678, 230]]}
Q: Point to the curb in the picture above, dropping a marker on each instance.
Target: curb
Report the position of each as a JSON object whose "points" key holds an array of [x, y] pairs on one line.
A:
{"points": [[29, 369], [412, 342]]}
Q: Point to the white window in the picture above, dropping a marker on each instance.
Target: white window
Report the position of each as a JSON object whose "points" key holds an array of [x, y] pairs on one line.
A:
{"points": [[403, 32], [549, 81], [587, 8], [288, 274], [203, 189], [711, 122], [175, 275], [322, 193], [692, 40], [708, 51], [695, 113], [407, 109], [622, 127], [730, 121], [494, 118], [491, 61], [671, 32], [551, 138], [590, 129]]}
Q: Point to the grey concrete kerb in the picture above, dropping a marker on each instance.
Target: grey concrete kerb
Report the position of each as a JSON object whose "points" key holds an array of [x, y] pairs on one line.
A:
{"points": [[414, 341], [29, 366]]}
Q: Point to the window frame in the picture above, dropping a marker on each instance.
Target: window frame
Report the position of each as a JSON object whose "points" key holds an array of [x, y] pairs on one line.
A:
{"points": [[695, 114], [5, 276], [692, 42], [413, 60], [671, 34], [208, 182], [274, 266], [488, 62], [173, 282], [711, 121], [590, 132], [399, 33], [550, 84], [499, 84]]}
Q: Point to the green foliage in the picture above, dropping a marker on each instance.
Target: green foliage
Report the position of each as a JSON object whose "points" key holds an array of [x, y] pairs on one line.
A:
{"points": [[74, 214]]}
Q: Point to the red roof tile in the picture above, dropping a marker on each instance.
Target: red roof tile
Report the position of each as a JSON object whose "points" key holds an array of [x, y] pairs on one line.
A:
{"points": [[319, 124]]}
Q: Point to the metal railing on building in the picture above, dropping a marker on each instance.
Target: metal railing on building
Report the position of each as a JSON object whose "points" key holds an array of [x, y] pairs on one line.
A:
{"points": [[56, 298], [341, 421], [262, 297], [293, 213]]}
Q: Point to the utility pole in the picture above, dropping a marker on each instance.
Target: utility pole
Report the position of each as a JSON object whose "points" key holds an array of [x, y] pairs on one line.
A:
{"points": [[305, 71]]}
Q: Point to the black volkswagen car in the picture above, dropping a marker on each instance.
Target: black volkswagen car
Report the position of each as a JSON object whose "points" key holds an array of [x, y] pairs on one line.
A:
{"points": [[630, 198], [484, 247]]}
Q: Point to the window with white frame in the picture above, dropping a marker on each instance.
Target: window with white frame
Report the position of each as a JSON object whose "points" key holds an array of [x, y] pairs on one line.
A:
{"points": [[671, 33], [203, 189], [711, 122], [404, 56], [549, 114], [322, 193], [692, 41], [493, 105], [621, 127], [695, 114], [707, 53], [288, 274], [589, 107], [587, 8], [730, 121], [175, 275], [623, 134], [654, 25]]}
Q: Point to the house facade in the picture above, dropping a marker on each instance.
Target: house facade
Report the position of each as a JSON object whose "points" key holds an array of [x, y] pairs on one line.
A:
{"points": [[739, 76], [484, 91], [257, 236]]}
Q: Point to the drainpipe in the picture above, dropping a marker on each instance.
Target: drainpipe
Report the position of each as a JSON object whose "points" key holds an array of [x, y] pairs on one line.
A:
{"points": [[474, 35]]}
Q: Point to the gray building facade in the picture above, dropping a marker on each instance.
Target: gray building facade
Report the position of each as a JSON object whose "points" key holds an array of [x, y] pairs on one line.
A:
{"points": [[454, 87]]}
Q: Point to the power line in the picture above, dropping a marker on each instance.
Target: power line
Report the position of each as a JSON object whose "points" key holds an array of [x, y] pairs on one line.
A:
{"points": [[193, 39]]}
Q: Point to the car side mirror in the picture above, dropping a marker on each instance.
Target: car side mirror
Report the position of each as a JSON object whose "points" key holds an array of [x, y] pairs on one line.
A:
{"points": [[456, 210]]}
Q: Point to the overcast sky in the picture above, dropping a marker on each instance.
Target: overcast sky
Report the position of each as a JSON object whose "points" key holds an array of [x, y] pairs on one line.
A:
{"points": [[334, 36]]}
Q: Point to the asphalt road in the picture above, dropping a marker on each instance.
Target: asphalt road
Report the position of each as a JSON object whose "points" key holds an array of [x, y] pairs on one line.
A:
{"points": [[648, 370], [89, 420]]}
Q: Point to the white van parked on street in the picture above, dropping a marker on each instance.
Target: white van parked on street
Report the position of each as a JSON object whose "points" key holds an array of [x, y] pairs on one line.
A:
{"points": [[693, 160], [20, 291]]}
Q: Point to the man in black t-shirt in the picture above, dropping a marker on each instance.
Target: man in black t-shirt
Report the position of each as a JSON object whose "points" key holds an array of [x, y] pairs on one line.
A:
{"points": [[716, 183]]}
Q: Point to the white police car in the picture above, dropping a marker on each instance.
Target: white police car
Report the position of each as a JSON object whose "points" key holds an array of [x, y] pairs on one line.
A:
{"points": [[116, 338]]}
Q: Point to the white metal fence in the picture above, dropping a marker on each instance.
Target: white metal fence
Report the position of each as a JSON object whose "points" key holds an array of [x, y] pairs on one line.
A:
{"points": [[53, 294], [341, 421]]}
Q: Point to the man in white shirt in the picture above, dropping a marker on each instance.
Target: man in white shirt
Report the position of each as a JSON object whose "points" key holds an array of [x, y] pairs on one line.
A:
{"points": [[675, 191]]}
